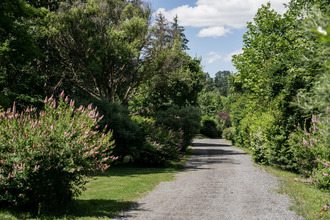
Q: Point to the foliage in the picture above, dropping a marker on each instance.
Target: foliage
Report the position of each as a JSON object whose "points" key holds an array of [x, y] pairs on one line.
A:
{"points": [[46, 156], [179, 87], [161, 145], [222, 82], [281, 60], [177, 118], [18, 49], [223, 120], [228, 133], [210, 103], [310, 147], [310, 142], [107, 49], [125, 131], [209, 127]]}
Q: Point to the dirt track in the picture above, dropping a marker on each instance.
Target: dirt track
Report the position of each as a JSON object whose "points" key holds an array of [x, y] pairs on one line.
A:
{"points": [[219, 182]]}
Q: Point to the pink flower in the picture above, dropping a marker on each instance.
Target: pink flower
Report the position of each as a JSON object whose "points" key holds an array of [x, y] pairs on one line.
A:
{"points": [[36, 167], [105, 159], [314, 119], [325, 174], [62, 94], [21, 195], [305, 142], [50, 99], [71, 103]]}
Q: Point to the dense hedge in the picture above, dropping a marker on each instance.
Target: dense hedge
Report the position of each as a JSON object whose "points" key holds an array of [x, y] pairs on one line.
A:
{"points": [[178, 118], [209, 127]]}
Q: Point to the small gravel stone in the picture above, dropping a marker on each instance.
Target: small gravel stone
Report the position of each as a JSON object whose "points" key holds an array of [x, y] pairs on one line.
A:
{"points": [[219, 182]]}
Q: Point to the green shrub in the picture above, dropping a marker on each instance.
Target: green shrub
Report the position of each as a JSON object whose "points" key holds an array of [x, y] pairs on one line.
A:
{"points": [[126, 132], [177, 118], [228, 133], [209, 127], [209, 102], [223, 121], [45, 156], [311, 150], [161, 144]]}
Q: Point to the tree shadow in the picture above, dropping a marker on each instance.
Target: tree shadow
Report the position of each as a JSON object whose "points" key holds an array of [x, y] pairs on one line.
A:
{"points": [[212, 153], [199, 144], [91, 208], [95, 208], [216, 152], [134, 171]]}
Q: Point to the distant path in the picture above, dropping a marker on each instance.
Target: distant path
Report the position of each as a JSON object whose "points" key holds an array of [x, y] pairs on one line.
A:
{"points": [[220, 182]]}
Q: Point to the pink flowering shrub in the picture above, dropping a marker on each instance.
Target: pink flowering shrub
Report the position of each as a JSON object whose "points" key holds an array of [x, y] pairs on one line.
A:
{"points": [[45, 156], [311, 151]]}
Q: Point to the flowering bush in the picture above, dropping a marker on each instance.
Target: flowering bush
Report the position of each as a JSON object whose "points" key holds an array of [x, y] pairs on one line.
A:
{"points": [[45, 156], [311, 150], [161, 144], [178, 118]]}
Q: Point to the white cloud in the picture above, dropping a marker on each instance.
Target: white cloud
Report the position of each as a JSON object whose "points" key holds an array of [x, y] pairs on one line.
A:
{"points": [[220, 13], [212, 57], [213, 32], [228, 57]]}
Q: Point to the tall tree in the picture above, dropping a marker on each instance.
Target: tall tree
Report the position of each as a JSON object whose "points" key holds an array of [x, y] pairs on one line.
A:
{"points": [[279, 59], [18, 50], [221, 80], [177, 33], [106, 49]]}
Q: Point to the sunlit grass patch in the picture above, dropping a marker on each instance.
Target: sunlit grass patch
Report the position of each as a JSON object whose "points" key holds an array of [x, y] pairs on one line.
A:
{"points": [[108, 193], [307, 200]]}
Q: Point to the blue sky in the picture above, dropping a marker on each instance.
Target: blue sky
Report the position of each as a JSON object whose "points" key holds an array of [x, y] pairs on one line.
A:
{"points": [[214, 28]]}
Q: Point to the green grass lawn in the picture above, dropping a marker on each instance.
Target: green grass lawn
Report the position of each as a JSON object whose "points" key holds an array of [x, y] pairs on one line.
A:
{"points": [[307, 200], [107, 194]]}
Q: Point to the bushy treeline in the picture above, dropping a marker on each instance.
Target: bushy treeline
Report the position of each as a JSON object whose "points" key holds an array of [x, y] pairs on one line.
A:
{"points": [[213, 102], [136, 86], [280, 100], [108, 53]]}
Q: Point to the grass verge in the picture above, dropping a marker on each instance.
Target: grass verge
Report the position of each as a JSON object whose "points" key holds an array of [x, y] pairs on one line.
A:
{"points": [[307, 200], [110, 192]]}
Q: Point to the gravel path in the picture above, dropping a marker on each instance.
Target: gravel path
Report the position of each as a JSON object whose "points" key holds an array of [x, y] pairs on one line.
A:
{"points": [[219, 182]]}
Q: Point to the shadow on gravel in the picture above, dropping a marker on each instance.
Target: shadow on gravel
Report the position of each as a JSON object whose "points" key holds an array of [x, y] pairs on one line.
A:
{"points": [[211, 153], [134, 207], [216, 152], [196, 144]]}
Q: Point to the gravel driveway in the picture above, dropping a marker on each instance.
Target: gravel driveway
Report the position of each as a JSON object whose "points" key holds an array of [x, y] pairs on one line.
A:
{"points": [[219, 182]]}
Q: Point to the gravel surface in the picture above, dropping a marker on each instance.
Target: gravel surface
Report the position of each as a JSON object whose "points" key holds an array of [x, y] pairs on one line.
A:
{"points": [[219, 182]]}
